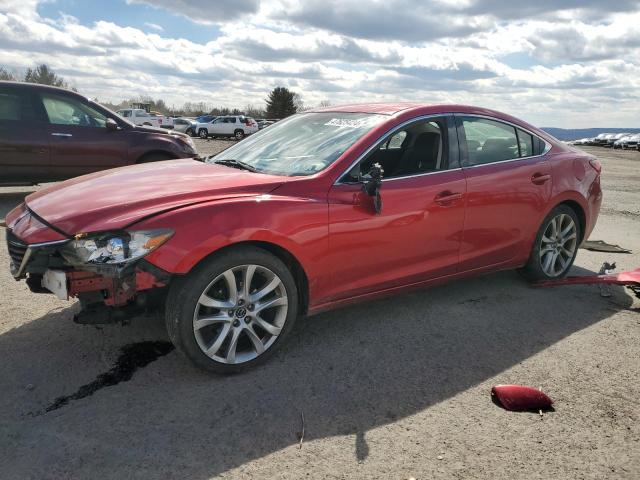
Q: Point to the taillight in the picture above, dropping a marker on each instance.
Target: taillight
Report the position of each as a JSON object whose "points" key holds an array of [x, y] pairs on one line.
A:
{"points": [[597, 166]]}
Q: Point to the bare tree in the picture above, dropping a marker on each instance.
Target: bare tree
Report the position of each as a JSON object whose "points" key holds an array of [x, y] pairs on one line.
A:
{"points": [[6, 74]]}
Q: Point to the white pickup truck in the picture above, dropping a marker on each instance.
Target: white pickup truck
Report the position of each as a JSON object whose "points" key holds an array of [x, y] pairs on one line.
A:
{"points": [[139, 116]]}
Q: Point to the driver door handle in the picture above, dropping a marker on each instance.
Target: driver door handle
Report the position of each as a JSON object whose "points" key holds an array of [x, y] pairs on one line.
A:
{"points": [[58, 134], [446, 197]]}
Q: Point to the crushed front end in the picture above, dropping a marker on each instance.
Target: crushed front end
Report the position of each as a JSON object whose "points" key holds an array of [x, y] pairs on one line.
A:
{"points": [[106, 271]]}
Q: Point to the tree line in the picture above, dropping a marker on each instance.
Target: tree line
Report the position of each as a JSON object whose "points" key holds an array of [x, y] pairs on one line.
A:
{"points": [[280, 102]]}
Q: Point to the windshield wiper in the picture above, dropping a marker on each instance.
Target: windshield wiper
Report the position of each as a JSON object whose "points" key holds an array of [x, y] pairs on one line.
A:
{"points": [[229, 162]]}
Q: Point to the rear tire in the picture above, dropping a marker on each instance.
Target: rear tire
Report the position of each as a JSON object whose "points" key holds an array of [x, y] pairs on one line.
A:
{"points": [[190, 132], [223, 326], [555, 247], [203, 133], [238, 134]]}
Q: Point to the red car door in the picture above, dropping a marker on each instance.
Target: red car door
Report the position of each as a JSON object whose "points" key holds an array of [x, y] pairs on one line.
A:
{"points": [[417, 234], [508, 187], [79, 141]]}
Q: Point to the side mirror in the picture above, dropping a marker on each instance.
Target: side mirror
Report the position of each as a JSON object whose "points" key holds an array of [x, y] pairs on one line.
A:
{"points": [[371, 184], [111, 125]]}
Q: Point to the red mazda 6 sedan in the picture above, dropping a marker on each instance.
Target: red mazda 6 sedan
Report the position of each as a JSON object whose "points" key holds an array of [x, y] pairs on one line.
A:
{"points": [[325, 208]]}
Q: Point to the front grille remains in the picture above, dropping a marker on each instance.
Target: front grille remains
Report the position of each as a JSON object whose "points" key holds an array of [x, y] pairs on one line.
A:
{"points": [[17, 251]]}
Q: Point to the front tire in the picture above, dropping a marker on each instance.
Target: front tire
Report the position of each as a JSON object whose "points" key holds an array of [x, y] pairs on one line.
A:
{"points": [[555, 247], [232, 312], [190, 132], [203, 133]]}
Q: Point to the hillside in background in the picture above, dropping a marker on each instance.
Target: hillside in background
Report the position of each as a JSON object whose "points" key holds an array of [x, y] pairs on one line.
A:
{"points": [[578, 133]]}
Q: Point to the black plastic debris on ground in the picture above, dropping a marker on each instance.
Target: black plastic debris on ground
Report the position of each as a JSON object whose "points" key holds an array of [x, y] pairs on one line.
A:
{"points": [[132, 357], [600, 246]]}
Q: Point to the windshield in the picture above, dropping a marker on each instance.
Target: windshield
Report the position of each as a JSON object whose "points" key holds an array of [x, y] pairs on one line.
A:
{"points": [[302, 144]]}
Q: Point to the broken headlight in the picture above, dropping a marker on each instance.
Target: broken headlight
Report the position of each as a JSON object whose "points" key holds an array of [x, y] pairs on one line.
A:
{"points": [[114, 247]]}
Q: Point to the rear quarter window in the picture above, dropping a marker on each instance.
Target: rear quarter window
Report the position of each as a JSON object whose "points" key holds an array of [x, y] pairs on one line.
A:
{"points": [[16, 105], [10, 106]]}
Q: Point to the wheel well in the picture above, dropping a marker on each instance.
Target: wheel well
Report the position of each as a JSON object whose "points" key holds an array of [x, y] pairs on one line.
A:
{"points": [[575, 206], [287, 258], [146, 155]]}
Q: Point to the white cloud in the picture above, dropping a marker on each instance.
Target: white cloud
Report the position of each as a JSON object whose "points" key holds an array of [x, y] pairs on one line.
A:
{"points": [[154, 26], [205, 12], [552, 66]]}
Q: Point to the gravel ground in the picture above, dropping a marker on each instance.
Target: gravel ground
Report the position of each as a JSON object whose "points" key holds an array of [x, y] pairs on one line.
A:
{"points": [[211, 146], [391, 389]]}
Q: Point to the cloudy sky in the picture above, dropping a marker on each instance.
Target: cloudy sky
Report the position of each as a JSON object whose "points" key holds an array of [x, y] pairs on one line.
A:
{"points": [[563, 63]]}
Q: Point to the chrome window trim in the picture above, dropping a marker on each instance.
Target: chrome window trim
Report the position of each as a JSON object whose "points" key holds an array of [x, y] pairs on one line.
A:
{"points": [[419, 175], [547, 146], [545, 150], [377, 143]]}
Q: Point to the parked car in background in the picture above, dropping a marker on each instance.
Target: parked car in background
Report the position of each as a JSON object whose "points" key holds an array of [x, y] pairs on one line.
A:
{"points": [[139, 116], [628, 142], [601, 139], [205, 118], [237, 126], [582, 141], [49, 134], [321, 210], [264, 123], [611, 140], [185, 125]]}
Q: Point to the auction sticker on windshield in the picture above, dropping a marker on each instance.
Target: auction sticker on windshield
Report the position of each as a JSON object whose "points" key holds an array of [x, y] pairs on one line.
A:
{"points": [[347, 122]]}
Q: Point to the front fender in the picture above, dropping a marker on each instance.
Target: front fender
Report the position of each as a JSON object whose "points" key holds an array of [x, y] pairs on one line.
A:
{"points": [[298, 225], [158, 142]]}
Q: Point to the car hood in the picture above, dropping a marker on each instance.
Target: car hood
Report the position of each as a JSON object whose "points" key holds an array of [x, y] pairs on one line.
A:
{"points": [[164, 131], [113, 199]]}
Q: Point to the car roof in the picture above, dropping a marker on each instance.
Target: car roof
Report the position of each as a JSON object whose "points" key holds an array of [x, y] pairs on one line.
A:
{"points": [[397, 107], [411, 109], [39, 86]]}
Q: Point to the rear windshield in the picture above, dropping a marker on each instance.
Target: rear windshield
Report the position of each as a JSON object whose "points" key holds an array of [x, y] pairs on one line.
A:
{"points": [[302, 144]]}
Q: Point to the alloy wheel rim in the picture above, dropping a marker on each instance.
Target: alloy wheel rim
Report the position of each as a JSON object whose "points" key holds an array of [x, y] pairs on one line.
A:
{"points": [[240, 314], [558, 245]]}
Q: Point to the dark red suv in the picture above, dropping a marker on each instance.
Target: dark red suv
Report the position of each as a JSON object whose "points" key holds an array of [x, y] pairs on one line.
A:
{"points": [[49, 134]]}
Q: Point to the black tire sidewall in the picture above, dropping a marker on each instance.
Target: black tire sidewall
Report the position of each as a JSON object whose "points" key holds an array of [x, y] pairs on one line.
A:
{"points": [[185, 292]]}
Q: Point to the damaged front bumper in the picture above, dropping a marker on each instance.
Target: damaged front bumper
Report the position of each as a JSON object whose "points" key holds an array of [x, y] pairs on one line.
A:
{"points": [[135, 284]]}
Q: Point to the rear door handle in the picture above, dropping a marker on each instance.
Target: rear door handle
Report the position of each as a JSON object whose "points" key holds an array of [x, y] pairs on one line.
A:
{"points": [[540, 178], [447, 197], [57, 134]]}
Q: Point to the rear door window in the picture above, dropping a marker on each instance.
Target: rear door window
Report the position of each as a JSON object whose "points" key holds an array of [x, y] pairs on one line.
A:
{"points": [[489, 141]]}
